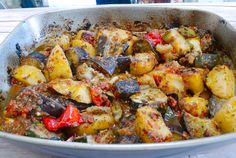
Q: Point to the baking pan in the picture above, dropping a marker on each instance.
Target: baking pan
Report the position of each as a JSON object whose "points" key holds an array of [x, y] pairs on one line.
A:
{"points": [[34, 28]]}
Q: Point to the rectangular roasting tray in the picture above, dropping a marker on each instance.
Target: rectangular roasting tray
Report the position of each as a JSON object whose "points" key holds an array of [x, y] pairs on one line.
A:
{"points": [[32, 29]]}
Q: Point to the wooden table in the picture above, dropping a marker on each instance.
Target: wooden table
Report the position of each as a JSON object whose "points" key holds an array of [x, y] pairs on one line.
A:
{"points": [[9, 19]]}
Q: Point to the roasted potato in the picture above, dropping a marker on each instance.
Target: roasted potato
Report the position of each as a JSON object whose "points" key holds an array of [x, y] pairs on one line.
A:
{"points": [[64, 41], [75, 90], [200, 127], [178, 42], [193, 79], [170, 83], [167, 52], [226, 116], [57, 65], [142, 63], [147, 79], [99, 122], [220, 80], [195, 105], [195, 45], [150, 127], [29, 75]]}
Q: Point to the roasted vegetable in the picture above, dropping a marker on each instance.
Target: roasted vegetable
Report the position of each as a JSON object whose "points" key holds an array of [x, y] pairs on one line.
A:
{"points": [[126, 88], [166, 52], [112, 41], [170, 83], [117, 110], [187, 32], [150, 126], [29, 75], [207, 60], [172, 121], [38, 130], [196, 106], [215, 104], [193, 79], [98, 122], [69, 118], [64, 41], [149, 96], [84, 45], [147, 79], [142, 63], [75, 90], [200, 127], [178, 42], [220, 80], [34, 59], [105, 137], [57, 65], [76, 56], [128, 140], [225, 116]]}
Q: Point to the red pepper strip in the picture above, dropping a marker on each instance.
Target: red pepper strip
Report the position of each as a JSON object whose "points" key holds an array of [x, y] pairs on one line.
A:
{"points": [[154, 37], [98, 97], [70, 117]]}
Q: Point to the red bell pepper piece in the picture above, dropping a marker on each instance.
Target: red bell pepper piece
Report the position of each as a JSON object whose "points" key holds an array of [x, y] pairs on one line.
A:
{"points": [[154, 37], [69, 118]]}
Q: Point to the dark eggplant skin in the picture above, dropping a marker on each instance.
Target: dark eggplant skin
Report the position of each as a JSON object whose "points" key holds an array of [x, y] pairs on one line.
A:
{"points": [[34, 59], [102, 41], [52, 105], [207, 60], [172, 121], [128, 140], [123, 63], [149, 96], [39, 56], [144, 46], [106, 65], [126, 88]]}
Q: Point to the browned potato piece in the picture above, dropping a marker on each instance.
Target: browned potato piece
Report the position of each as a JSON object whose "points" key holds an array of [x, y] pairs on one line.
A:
{"points": [[85, 45], [150, 127], [99, 122], [226, 116], [193, 79], [178, 42], [198, 127], [142, 63], [57, 65], [29, 75], [195, 105], [147, 79], [64, 41], [220, 80], [170, 83], [75, 90]]}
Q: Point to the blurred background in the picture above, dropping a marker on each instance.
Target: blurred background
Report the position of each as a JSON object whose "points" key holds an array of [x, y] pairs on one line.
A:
{"points": [[6, 4]]}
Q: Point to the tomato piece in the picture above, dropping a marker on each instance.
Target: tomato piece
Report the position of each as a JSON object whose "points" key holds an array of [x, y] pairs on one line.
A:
{"points": [[98, 97], [154, 37]]}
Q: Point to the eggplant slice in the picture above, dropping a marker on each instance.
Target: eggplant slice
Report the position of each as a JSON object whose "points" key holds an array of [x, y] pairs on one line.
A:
{"points": [[126, 88], [149, 96]]}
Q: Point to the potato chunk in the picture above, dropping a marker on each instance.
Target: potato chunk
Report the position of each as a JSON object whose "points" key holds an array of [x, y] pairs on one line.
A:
{"points": [[220, 80], [226, 116], [142, 63], [198, 127], [178, 42], [99, 118], [193, 79], [196, 106], [75, 90], [57, 65], [29, 75], [150, 127], [170, 83]]}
